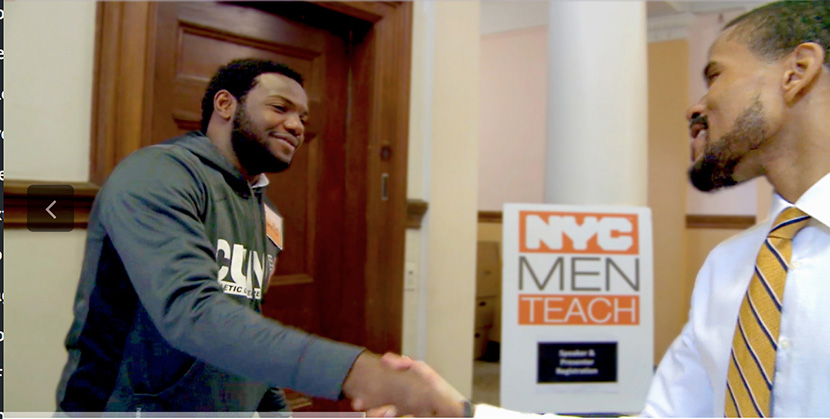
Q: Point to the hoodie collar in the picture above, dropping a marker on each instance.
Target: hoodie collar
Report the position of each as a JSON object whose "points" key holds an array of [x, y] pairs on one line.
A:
{"points": [[200, 145]]}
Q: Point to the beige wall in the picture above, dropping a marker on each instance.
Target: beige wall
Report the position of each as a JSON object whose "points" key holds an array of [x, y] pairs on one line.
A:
{"points": [[489, 232], [49, 79], [453, 166], [423, 21], [443, 170], [510, 15], [41, 276], [513, 118], [668, 156]]}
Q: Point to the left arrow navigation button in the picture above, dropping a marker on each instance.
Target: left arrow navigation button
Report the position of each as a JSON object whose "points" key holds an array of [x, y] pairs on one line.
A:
{"points": [[50, 208], [54, 217]]}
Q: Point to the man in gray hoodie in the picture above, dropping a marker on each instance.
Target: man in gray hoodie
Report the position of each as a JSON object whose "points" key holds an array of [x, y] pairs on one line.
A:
{"points": [[180, 248]]}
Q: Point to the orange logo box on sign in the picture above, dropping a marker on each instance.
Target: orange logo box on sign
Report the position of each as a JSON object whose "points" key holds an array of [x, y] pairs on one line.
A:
{"points": [[563, 232], [536, 309]]}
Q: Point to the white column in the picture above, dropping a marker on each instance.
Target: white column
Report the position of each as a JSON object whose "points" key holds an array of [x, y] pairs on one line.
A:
{"points": [[597, 103]]}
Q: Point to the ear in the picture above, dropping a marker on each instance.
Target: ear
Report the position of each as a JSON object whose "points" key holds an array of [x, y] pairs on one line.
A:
{"points": [[224, 104], [803, 68]]}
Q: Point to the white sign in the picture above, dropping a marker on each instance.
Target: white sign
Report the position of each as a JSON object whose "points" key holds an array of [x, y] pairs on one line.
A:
{"points": [[577, 308]]}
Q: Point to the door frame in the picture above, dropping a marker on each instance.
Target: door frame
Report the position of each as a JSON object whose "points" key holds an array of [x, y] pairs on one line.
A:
{"points": [[380, 61]]}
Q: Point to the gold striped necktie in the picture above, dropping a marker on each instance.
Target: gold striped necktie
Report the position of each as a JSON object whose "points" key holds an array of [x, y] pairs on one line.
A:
{"points": [[752, 361]]}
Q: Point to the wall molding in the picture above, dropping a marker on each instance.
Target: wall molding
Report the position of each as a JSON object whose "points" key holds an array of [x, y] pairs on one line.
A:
{"points": [[729, 222], [693, 221], [490, 217], [415, 210]]}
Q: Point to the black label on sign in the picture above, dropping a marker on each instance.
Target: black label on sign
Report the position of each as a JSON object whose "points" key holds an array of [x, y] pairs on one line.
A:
{"points": [[589, 362]]}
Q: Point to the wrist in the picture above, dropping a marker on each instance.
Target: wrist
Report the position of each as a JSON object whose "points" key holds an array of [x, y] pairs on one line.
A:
{"points": [[353, 381]]}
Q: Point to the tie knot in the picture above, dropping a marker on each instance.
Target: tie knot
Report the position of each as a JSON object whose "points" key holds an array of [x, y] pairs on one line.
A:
{"points": [[789, 222]]}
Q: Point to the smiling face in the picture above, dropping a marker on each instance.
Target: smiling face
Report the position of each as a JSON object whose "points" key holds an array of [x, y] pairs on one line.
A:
{"points": [[736, 120], [269, 124]]}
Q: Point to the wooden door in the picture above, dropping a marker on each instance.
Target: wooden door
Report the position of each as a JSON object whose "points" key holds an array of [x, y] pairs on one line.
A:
{"points": [[318, 285]]}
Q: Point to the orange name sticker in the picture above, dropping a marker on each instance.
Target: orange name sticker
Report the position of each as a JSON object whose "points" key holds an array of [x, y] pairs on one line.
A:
{"points": [[273, 226]]}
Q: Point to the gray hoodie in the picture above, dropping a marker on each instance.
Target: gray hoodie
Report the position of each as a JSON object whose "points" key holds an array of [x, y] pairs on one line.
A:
{"points": [[167, 313]]}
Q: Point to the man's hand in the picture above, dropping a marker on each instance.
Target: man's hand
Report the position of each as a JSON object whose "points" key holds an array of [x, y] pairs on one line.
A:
{"points": [[389, 387], [441, 391]]}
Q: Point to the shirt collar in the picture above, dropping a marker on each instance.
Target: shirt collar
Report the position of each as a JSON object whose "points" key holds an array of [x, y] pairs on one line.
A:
{"points": [[261, 181], [815, 202]]}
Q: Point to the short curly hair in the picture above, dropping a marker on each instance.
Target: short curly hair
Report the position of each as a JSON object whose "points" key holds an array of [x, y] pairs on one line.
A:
{"points": [[774, 30], [238, 77]]}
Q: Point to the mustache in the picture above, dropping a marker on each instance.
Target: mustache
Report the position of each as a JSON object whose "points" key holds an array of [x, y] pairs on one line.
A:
{"points": [[700, 119]]}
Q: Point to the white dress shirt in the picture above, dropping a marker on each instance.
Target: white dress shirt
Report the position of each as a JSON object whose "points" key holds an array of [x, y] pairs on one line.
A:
{"points": [[691, 378]]}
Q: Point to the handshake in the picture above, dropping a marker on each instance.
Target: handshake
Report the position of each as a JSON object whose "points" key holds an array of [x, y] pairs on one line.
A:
{"points": [[395, 385]]}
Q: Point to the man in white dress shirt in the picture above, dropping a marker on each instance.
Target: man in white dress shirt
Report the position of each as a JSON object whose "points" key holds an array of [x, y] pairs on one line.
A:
{"points": [[766, 113]]}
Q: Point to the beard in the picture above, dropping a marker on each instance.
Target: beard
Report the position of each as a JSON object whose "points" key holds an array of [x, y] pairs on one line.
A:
{"points": [[716, 168], [251, 149]]}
